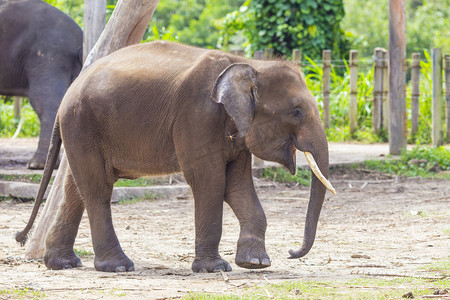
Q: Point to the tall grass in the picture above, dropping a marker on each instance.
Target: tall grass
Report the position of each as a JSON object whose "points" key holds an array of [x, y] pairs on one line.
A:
{"points": [[340, 96]]}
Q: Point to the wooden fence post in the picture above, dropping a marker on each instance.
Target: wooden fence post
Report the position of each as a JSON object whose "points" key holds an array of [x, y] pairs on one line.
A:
{"points": [[94, 23], [447, 94], [268, 53], [258, 55], [377, 108], [326, 83], [385, 92], [353, 90], [239, 52], [397, 76], [17, 106], [437, 131], [297, 56], [415, 92]]}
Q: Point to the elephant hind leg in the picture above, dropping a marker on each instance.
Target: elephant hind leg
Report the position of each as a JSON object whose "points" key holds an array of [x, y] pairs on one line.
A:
{"points": [[59, 253], [95, 186]]}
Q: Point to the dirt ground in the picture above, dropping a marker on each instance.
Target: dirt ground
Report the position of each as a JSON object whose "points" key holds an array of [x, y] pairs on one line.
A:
{"points": [[375, 226]]}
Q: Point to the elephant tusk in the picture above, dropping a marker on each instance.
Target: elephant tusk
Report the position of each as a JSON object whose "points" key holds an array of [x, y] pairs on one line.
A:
{"points": [[313, 165]]}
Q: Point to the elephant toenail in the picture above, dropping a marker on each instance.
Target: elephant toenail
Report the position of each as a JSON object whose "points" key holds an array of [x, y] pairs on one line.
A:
{"points": [[131, 269], [218, 268], [265, 262], [254, 261], [68, 267], [121, 269], [203, 270], [228, 268]]}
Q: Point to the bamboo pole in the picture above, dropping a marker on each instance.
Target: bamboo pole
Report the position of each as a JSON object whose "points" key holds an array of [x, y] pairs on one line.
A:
{"points": [[353, 90], [397, 78], [326, 84], [447, 94], [415, 92], [437, 107], [385, 92]]}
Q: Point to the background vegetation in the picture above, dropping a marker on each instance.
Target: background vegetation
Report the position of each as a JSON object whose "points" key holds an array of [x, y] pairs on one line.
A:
{"points": [[283, 25]]}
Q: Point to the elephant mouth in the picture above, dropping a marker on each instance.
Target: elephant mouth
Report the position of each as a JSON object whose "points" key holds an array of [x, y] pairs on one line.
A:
{"points": [[292, 166], [291, 163]]}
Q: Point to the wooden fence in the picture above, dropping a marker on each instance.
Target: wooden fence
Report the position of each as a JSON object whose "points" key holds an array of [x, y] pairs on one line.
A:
{"points": [[380, 105]]}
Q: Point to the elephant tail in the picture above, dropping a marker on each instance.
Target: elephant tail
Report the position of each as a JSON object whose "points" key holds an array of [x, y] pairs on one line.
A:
{"points": [[52, 158]]}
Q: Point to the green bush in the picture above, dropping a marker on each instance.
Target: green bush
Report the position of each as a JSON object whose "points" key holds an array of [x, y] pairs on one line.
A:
{"points": [[302, 176], [311, 25], [420, 161]]}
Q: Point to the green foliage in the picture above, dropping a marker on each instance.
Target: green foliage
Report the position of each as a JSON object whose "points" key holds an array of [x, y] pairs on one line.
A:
{"points": [[427, 24], [83, 253], [73, 8], [420, 161], [191, 22], [302, 176], [340, 97], [8, 125], [311, 25]]}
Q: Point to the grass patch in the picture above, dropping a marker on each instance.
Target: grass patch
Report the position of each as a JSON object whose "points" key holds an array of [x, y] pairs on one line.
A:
{"points": [[83, 253], [145, 197], [420, 161], [21, 293], [31, 178], [440, 266], [140, 182], [363, 288], [302, 176]]}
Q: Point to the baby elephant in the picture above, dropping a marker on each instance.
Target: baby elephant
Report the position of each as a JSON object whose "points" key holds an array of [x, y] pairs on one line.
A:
{"points": [[161, 107]]}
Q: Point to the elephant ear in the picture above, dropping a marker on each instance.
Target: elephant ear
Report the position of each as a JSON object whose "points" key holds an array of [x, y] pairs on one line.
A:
{"points": [[235, 88]]}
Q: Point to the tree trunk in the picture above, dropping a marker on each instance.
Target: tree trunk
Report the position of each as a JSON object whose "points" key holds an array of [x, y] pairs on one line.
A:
{"points": [[125, 27]]}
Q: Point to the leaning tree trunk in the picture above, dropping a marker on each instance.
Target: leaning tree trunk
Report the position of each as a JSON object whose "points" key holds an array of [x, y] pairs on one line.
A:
{"points": [[125, 27]]}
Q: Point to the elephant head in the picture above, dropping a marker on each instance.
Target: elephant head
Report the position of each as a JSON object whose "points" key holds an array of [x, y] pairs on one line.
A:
{"points": [[277, 115]]}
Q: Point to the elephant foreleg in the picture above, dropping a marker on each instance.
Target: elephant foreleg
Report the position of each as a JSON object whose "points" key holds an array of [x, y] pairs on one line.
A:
{"points": [[241, 196], [208, 187]]}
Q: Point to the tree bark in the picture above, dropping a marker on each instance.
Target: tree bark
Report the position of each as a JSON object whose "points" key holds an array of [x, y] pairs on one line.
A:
{"points": [[126, 27]]}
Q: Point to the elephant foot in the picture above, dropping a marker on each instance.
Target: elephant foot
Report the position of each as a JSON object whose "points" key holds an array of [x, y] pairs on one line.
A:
{"points": [[117, 263], [208, 265], [251, 253], [37, 162], [57, 260]]}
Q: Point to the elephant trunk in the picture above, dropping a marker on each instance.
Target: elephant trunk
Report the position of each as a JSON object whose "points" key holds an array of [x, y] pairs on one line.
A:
{"points": [[319, 184]]}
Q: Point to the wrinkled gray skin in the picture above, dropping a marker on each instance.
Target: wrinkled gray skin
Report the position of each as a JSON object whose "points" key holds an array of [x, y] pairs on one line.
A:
{"points": [[40, 56], [161, 107]]}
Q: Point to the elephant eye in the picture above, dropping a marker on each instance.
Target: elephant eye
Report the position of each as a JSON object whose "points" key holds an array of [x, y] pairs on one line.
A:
{"points": [[297, 113]]}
